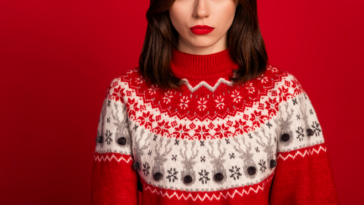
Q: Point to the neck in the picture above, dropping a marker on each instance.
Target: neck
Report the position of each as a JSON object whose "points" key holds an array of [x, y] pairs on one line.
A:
{"points": [[209, 67]]}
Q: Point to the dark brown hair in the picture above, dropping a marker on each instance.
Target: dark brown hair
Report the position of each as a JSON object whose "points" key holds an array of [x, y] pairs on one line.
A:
{"points": [[245, 43]]}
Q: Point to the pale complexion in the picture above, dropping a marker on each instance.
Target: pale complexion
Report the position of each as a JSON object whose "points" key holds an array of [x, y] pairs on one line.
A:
{"points": [[218, 14]]}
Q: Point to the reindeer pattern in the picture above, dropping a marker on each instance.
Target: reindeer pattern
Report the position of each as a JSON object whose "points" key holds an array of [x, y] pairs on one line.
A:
{"points": [[161, 157], [210, 164], [122, 135], [138, 148], [188, 173], [222, 163], [269, 147], [217, 162], [249, 165], [113, 133], [296, 123]]}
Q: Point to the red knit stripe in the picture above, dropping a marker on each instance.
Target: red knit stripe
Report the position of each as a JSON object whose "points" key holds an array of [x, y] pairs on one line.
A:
{"points": [[304, 180], [113, 182]]}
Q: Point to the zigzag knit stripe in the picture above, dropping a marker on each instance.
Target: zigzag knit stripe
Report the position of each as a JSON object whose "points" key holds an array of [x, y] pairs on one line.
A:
{"points": [[113, 156], [302, 152], [209, 196], [225, 100]]}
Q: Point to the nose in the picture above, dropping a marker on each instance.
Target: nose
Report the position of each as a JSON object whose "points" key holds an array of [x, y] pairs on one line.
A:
{"points": [[201, 9]]}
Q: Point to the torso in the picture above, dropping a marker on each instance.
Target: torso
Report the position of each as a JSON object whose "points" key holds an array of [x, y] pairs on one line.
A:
{"points": [[208, 138]]}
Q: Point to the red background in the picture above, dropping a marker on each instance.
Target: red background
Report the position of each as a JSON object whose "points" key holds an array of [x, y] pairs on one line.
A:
{"points": [[58, 57]]}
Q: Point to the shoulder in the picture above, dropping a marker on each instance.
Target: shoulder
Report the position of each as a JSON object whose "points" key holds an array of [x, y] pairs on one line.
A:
{"points": [[120, 85], [284, 84], [127, 76], [279, 74]]}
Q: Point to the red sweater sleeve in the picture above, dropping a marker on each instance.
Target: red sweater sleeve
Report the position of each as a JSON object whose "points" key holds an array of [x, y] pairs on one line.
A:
{"points": [[114, 181], [303, 174]]}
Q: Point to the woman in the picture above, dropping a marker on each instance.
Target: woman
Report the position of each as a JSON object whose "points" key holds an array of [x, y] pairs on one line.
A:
{"points": [[205, 119]]}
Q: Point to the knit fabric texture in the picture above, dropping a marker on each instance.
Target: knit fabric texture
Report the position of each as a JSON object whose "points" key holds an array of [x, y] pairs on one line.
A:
{"points": [[213, 142]]}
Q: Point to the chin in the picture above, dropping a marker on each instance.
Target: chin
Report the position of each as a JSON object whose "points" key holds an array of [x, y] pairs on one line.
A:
{"points": [[203, 43]]}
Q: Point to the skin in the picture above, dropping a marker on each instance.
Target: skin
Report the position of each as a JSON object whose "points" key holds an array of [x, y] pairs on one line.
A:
{"points": [[218, 14]]}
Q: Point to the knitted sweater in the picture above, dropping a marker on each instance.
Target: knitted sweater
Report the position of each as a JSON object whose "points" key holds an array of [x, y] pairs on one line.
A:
{"points": [[211, 143]]}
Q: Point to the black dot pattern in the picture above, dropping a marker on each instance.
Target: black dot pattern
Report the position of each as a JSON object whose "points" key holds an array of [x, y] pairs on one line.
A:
{"points": [[99, 139], [218, 177], [136, 165], [187, 179], [273, 163], [157, 176], [285, 137], [122, 141], [309, 132], [252, 170]]}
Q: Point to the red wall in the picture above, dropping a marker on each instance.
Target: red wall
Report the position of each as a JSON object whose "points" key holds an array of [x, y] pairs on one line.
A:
{"points": [[58, 57]]}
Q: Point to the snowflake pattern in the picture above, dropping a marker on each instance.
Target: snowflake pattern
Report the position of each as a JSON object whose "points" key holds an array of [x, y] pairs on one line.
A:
{"points": [[284, 94], [146, 120], [202, 104], [139, 80], [316, 128], [172, 175], [201, 132], [153, 89], [162, 128], [193, 105], [181, 132], [223, 131], [167, 97], [250, 87], [264, 79], [236, 96], [272, 106], [241, 127], [225, 128], [108, 134], [262, 165], [132, 107], [255, 89], [300, 135], [204, 176], [257, 118], [184, 103], [235, 174], [146, 168], [274, 69], [220, 102]]}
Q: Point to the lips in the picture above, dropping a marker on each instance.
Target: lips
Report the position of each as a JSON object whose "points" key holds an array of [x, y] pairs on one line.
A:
{"points": [[201, 29]]}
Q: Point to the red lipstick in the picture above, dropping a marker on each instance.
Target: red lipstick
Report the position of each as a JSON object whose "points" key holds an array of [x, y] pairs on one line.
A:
{"points": [[201, 29]]}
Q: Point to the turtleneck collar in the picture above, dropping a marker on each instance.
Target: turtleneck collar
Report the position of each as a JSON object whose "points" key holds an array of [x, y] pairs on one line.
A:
{"points": [[203, 67]]}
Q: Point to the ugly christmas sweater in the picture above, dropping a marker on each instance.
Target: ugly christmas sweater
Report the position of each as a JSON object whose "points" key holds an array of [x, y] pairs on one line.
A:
{"points": [[259, 142]]}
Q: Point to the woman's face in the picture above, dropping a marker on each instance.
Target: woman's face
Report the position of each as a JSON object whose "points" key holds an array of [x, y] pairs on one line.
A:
{"points": [[217, 14]]}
